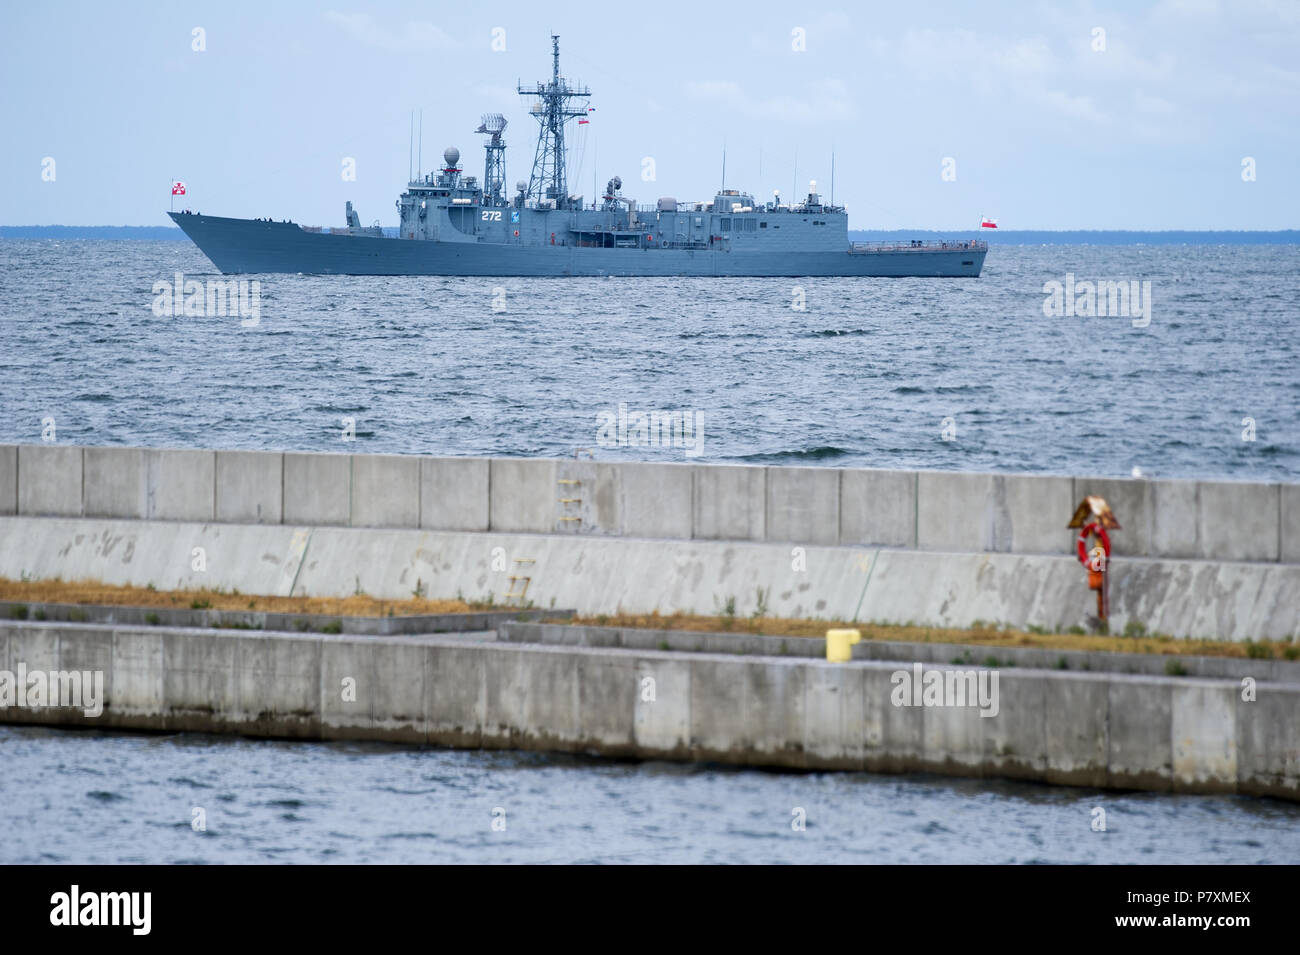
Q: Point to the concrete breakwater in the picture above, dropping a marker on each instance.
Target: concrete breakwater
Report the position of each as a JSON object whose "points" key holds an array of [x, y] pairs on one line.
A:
{"points": [[1197, 559], [955, 512], [1083, 728], [607, 575]]}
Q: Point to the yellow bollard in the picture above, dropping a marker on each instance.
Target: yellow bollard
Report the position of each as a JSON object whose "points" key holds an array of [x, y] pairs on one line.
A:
{"points": [[839, 645]]}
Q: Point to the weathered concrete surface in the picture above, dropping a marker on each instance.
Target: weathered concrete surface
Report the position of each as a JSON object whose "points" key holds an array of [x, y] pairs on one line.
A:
{"points": [[930, 510], [594, 574], [773, 645], [1158, 733]]}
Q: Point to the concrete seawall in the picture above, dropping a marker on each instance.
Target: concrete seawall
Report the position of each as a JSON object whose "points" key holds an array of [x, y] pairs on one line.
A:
{"points": [[603, 575], [1091, 729], [955, 512], [1194, 558]]}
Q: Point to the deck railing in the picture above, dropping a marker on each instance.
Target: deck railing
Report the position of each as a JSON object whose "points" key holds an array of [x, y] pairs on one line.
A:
{"points": [[922, 245]]}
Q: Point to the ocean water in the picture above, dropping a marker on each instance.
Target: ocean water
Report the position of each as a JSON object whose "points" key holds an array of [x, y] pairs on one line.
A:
{"points": [[70, 796], [864, 375]]}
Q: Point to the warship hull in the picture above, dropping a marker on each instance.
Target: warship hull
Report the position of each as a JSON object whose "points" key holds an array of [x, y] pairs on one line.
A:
{"points": [[238, 246]]}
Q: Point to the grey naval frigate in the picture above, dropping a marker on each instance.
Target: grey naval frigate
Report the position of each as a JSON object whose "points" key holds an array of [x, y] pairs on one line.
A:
{"points": [[451, 224]]}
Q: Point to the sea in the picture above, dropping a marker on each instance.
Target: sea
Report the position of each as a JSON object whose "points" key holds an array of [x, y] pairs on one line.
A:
{"points": [[974, 374]]}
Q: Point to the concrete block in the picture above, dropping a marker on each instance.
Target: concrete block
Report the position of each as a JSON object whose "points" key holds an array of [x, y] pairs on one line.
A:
{"points": [[8, 479], [385, 490], [531, 699], [115, 483], [803, 505], [719, 719], [279, 685], [455, 695], [878, 507], [954, 511], [250, 487], [49, 480], [774, 710], [200, 679], [350, 688], [1204, 729], [398, 710], [1268, 760], [729, 503], [1015, 736], [833, 715], [138, 692], [454, 494], [1130, 502], [181, 485], [587, 496], [318, 489], [1290, 531], [1140, 752], [524, 495], [662, 725], [1030, 514], [894, 736], [1075, 713], [608, 688], [1239, 520], [1175, 530], [655, 500]]}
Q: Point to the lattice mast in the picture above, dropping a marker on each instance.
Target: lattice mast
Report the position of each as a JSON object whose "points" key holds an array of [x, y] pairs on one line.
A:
{"points": [[552, 109], [494, 166]]}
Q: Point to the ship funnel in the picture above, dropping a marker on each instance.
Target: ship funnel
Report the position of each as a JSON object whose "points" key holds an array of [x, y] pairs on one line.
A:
{"points": [[812, 186], [452, 155]]}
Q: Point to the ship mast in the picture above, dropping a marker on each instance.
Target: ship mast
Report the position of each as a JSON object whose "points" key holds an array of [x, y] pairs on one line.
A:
{"points": [[552, 110]]}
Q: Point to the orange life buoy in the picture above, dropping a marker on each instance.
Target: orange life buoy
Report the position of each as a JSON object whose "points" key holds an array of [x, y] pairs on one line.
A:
{"points": [[1082, 543]]}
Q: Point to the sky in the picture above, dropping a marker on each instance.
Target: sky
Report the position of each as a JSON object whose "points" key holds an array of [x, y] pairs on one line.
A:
{"points": [[1066, 115]]}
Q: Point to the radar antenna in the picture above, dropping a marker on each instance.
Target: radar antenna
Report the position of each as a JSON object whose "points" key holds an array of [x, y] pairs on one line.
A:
{"points": [[552, 110], [494, 168]]}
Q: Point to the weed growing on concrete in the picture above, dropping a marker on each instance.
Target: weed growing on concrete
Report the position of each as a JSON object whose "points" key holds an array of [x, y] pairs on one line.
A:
{"points": [[19, 612], [1259, 651], [150, 586], [1175, 668], [204, 604], [1291, 653], [1135, 628], [40, 615], [151, 619], [301, 625], [78, 616], [332, 627], [1062, 664], [1077, 630], [663, 644], [420, 591]]}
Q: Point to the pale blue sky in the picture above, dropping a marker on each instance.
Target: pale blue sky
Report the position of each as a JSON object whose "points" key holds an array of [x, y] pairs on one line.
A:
{"points": [[1046, 132]]}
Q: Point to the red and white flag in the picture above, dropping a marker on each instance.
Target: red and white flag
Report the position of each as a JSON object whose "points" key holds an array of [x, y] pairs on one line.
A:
{"points": [[987, 223], [583, 122], [178, 188]]}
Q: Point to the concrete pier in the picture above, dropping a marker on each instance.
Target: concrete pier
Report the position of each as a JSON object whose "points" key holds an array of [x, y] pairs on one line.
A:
{"points": [[1098, 729], [1194, 559]]}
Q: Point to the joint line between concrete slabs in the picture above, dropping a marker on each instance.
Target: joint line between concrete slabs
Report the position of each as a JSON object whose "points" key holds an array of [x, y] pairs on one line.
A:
{"points": [[301, 560], [862, 596]]}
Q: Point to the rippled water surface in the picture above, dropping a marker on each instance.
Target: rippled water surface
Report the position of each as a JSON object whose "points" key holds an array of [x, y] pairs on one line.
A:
{"points": [[81, 797], [864, 376]]}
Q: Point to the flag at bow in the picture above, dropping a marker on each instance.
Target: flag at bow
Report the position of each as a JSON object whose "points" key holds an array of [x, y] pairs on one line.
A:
{"points": [[987, 223], [178, 188]]}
